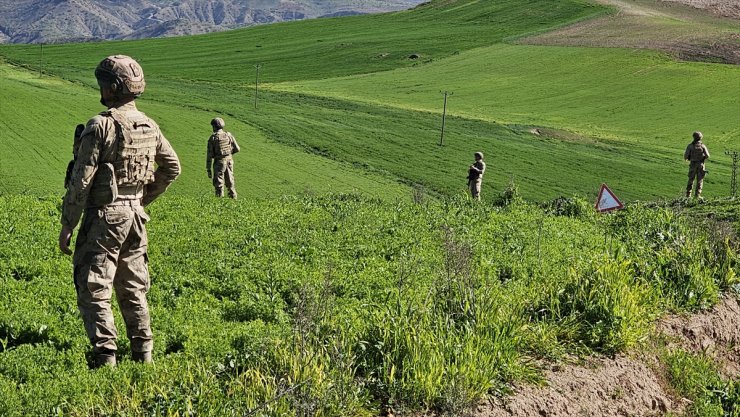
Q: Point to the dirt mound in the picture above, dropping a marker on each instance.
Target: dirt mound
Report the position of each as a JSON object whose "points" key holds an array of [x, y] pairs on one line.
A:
{"points": [[628, 386], [605, 387], [715, 332]]}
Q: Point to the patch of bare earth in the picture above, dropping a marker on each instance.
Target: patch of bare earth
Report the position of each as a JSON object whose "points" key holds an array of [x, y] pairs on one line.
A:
{"points": [[628, 385], [724, 8], [692, 30], [715, 332]]}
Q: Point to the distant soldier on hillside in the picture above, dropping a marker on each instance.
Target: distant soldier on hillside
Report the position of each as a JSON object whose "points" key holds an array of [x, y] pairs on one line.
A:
{"points": [[112, 179], [696, 153], [475, 175], [221, 146]]}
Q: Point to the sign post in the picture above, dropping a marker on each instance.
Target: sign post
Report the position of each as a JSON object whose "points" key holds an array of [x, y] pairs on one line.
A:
{"points": [[607, 201]]}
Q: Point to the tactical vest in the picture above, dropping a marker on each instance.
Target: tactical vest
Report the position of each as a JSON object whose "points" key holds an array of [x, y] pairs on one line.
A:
{"points": [[221, 144], [133, 163], [696, 152], [482, 167], [128, 164]]}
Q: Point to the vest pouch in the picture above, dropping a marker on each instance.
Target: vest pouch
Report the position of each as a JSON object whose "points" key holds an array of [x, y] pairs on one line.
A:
{"points": [[104, 187]]}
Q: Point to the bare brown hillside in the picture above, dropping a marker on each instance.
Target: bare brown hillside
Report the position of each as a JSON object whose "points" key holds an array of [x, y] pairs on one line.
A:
{"points": [[693, 30], [724, 8]]}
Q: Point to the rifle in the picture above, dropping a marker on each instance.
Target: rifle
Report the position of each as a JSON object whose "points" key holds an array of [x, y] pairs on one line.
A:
{"points": [[75, 146]]}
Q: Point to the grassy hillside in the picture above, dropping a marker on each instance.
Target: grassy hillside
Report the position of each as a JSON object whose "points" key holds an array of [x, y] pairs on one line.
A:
{"points": [[318, 48], [337, 296], [627, 115], [38, 115], [612, 115], [634, 96], [344, 306]]}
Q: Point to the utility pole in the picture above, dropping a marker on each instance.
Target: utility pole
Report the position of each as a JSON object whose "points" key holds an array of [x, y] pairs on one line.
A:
{"points": [[444, 117], [256, 83], [41, 61], [735, 155]]}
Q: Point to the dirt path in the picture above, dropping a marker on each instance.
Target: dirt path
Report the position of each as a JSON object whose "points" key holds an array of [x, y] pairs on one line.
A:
{"points": [[632, 8], [628, 386]]}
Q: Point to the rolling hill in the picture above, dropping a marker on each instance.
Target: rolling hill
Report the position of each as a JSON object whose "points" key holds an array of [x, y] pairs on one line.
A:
{"points": [[354, 277], [366, 91], [38, 21]]}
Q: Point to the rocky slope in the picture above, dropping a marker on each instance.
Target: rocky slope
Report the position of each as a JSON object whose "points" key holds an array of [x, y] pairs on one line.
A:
{"points": [[50, 21]]}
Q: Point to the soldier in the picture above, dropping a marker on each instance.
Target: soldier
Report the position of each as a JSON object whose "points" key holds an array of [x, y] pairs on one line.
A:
{"points": [[696, 153], [475, 175], [112, 179], [221, 145]]}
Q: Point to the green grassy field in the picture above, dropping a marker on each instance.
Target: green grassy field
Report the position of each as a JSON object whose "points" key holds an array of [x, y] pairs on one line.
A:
{"points": [[342, 305], [324, 291], [38, 115], [624, 119]]}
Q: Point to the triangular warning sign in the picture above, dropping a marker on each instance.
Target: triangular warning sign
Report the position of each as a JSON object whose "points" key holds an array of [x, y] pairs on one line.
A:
{"points": [[607, 201]]}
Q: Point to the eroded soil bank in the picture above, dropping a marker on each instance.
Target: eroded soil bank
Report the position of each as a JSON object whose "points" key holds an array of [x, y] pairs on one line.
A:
{"points": [[631, 385]]}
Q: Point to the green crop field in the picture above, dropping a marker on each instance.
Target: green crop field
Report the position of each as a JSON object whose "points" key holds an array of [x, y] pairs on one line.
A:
{"points": [[606, 115], [38, 115], [342, 305], [354, 276]]}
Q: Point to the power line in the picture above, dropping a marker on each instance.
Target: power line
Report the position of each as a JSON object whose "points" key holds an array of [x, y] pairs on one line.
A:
{"points": [[735, 155], [256, 83], [444, 117]]}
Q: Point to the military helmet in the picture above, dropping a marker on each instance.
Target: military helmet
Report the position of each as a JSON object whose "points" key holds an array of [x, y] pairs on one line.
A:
{"points": [[697, 135], [218, 123], [478, 155], [123, 73]]}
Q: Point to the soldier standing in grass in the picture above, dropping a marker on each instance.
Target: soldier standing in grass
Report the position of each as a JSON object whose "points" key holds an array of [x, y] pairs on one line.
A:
{"points": [[475, 175], [221, 146], [112, 179], [696, 153]]}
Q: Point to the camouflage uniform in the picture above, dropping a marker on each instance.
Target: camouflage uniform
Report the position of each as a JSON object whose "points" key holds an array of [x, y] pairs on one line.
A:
{"points": [[221, 146], [696, 153], [113, 178], [475, 176]]}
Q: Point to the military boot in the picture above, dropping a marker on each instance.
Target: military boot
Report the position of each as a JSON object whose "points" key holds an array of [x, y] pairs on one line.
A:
{"points": [[104, 358], [145, 357]]}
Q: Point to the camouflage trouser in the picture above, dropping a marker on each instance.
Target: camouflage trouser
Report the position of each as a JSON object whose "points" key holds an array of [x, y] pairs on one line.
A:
{"points": [[475, 188], [696, 171], [223, 172], [110, 253]]}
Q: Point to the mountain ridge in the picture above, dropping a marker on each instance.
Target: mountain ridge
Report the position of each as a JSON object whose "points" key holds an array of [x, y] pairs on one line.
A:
{"points": [[60, 21]]}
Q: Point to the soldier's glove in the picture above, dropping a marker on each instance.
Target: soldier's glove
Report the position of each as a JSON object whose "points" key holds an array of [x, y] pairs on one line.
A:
{"points": [[209, 174]]}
